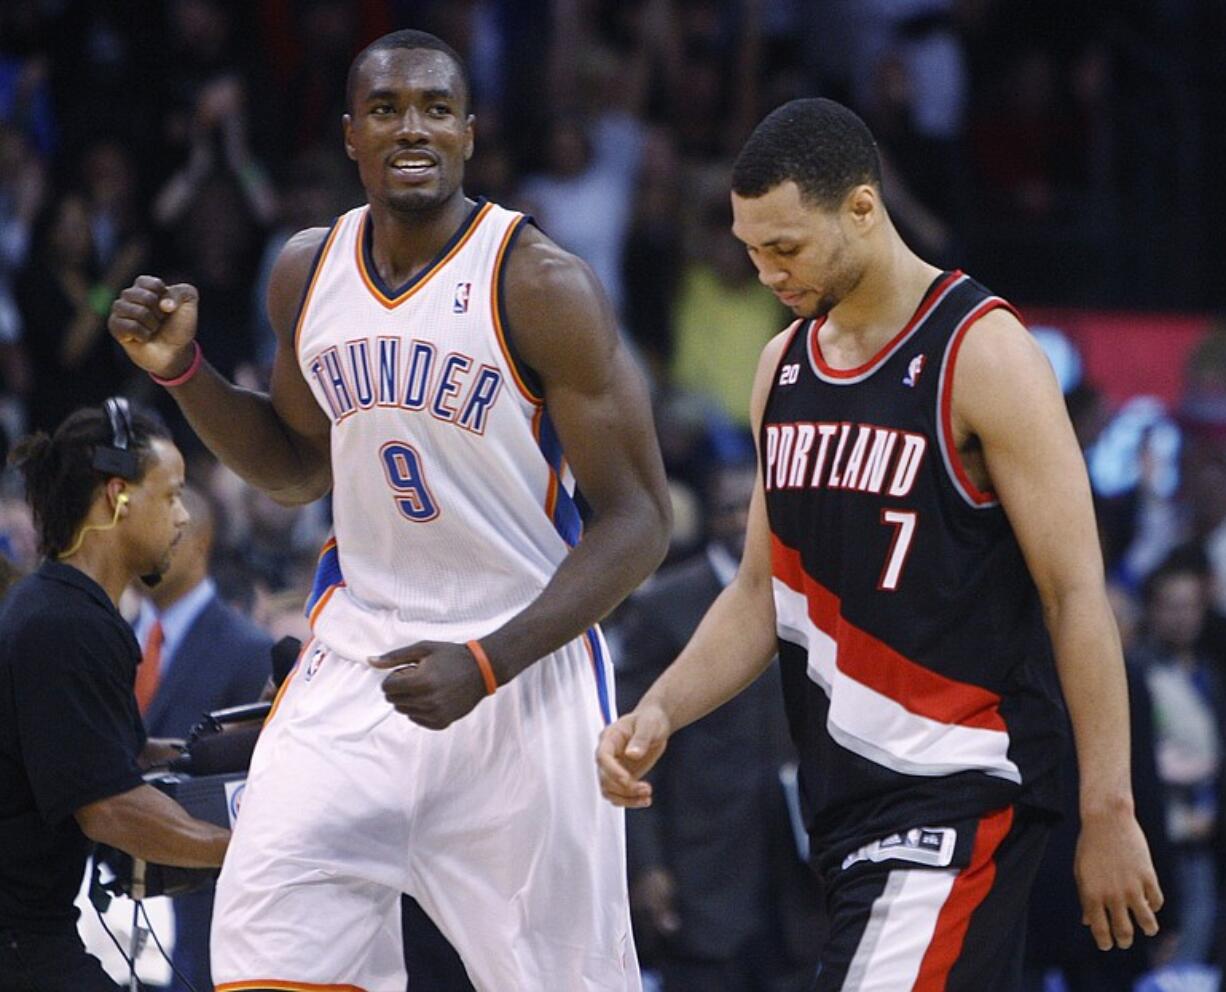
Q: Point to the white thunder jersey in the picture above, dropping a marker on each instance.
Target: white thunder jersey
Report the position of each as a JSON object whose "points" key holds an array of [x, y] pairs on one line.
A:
{"points": [[451, 500]]}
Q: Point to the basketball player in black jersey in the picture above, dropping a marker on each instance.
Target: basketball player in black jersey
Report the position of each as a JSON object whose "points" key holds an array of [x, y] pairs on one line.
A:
{"points": [[922, 555]]}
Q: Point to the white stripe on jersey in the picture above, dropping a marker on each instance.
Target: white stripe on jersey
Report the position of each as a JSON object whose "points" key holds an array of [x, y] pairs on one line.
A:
{"points": [[447, 475], [877, 727]]}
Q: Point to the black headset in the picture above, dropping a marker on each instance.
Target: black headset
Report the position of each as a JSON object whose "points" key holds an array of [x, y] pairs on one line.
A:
{"points": [[117, 458]]}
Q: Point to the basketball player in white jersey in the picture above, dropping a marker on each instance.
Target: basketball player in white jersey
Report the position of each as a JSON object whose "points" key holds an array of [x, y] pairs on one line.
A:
{"points": [[436, 358]]}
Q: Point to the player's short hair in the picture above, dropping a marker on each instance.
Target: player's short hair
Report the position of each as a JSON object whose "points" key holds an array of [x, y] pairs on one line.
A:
{"points": [[61, 480], [816, 143], [408, 38]]}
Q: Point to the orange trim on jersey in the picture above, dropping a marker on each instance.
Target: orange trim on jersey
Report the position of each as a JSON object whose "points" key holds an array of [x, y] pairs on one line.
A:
{"points": [[319, 266], [421, 278], [276, 700], [499, 331], [970, 888], [329, 544], [551, 491], [323, 601], [279, 984]]}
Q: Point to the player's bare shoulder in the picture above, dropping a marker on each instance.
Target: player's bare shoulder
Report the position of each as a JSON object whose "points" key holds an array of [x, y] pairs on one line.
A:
{"points": [[768, 363], [1001, 376], [289, 277], [555, 303]]}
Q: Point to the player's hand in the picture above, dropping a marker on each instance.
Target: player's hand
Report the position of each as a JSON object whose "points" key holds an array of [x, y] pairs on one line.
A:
{"points": [[627, 751], [155, 324], [1116, 880], [433, 683], [653, 893]]}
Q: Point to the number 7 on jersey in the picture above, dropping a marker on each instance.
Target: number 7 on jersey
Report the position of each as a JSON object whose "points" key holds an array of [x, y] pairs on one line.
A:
{"points": [[903, 522]]}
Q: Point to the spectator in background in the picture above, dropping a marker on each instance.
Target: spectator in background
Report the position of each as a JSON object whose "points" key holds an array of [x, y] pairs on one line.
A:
{"points": [[722, 902], [63, 308], [317, 188], [584, 195], [319, 38], [197, 655], [22, 187], [116, 219], [1054, 941], [653, 257], [723, 316], [1190, 720]]}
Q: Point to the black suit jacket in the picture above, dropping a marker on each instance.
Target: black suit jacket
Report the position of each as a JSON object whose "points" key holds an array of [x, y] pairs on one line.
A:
{"points": [[718, 821], [223, 660]]}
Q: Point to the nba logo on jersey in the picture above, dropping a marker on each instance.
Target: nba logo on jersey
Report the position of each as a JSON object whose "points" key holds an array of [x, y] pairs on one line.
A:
{"points": [[460, 303], [913, 371]]}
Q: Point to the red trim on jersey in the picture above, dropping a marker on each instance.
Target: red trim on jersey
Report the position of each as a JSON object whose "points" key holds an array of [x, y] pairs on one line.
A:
{"points": [[926, 305], [875, 664], [970, 888], [976, 495]]}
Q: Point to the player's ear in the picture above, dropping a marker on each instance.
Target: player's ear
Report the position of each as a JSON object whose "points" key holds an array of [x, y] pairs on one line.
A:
{"points": [[863, 205], [346, 131]]}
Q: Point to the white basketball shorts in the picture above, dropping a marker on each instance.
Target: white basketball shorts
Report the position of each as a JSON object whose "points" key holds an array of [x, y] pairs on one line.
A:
{"points": [[495, 825]]}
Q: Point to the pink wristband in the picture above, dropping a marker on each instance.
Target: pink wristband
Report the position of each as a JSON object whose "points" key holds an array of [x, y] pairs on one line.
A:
{"points": [[191, 370]]}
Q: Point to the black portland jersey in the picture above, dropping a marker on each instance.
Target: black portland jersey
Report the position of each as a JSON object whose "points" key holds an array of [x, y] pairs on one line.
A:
{"points": [[918, 673]]}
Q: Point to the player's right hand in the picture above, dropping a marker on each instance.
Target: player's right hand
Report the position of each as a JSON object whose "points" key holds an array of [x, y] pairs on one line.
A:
{"points": [[628, 749], [155, 324]]}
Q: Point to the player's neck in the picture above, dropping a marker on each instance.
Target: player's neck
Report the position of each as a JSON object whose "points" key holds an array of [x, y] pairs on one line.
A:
{"points": [[886, 296], [403, 244]]}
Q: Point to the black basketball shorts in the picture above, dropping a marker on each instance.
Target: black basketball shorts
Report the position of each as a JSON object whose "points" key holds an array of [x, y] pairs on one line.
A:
{"points": [[934, 909]]}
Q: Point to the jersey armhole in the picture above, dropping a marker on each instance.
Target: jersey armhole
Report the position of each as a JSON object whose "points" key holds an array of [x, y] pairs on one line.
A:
{"points": [[797, 326], [526, 378], [308, 287], [956, 471]]}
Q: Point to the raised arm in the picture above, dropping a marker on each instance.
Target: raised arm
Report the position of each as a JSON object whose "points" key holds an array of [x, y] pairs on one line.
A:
{"points": [[731, 647], [1005, 395], [562, 326], [278, 441]]}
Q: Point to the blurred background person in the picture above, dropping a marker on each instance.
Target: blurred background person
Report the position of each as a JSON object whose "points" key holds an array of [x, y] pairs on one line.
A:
{"points": [[197, 655], [720, 897], [1189, 701]]}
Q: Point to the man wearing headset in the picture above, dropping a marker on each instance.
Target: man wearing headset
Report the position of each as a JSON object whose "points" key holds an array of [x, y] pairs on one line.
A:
{"points": [[105, 491]]}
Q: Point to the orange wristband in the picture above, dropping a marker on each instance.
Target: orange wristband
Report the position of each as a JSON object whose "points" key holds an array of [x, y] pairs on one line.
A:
{"points": [[483, 663]]}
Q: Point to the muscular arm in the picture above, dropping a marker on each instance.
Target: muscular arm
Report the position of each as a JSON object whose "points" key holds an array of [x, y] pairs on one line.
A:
{"points": [[1005, 395], [278, 441], [151, 826], [731, 647], [562, 326]]}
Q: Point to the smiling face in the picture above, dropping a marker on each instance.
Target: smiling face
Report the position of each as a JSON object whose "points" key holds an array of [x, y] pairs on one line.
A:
{"points": [[408, 128], [811, 258]]}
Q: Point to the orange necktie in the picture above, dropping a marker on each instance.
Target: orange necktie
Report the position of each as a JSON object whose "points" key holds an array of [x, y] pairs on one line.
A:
{"points": [[150, 669]]}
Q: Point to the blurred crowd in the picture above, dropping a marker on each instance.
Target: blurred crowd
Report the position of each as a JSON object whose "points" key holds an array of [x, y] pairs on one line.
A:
{"points": [[1061, 153]]}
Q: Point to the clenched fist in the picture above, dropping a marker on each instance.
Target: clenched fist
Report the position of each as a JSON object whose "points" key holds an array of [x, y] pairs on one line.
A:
{"points": [[156, 325]]}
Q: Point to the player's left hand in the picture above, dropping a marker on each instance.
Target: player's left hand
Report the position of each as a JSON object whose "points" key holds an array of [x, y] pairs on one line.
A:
{"points": [[1116, 880], [433, 683]]}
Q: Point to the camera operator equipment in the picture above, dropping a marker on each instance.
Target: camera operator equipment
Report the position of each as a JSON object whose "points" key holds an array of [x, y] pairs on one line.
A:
{"points": [[105, 495]]}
